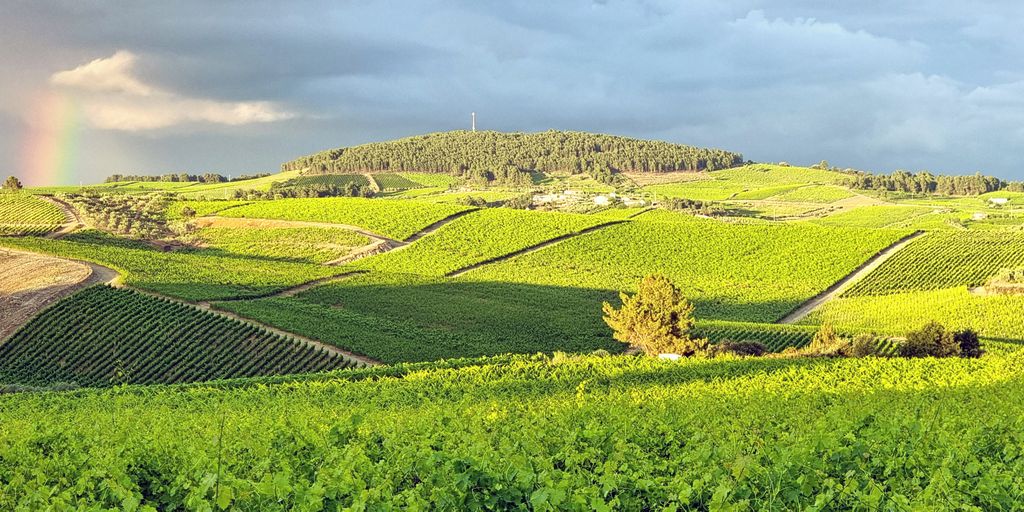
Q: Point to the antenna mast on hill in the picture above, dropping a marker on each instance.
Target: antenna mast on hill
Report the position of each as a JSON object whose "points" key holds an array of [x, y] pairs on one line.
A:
{"points": [[473, 115]]}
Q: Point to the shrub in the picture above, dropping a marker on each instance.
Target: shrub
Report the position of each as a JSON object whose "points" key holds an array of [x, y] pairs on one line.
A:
{"points": [[738, 348], [863, 345], [932, 340], [827, 343], [657, 319], [970, 345]]}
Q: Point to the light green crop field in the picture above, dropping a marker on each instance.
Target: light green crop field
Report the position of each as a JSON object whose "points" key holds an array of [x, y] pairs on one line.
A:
{"points": [[582, 433], [394, 219], [769, 175], [765, 193], [874, 216], [190, 275], [226, 190], [814, 194], [945, 259], [430, 179], [298, 244], [700, 190], [731, 271], [996, 316], [477, 237], [20, 209]]}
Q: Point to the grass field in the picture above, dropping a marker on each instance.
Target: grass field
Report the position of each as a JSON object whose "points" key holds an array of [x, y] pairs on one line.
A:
{"points": [[594, 433], [104, 336], [189, 275], [477, 237], [737, 272], [394, 219]]}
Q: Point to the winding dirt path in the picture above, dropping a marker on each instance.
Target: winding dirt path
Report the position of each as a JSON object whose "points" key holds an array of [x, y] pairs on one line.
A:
{"points": [[74, 221], [431, 229], [839, 287], [533, 248]]}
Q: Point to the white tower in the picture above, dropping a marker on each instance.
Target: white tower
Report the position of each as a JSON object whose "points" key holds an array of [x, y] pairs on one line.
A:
{"points": [[474, 121]]}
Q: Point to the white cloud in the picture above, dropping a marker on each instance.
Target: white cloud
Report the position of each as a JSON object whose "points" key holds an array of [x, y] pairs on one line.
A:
{"points": [[114, 98]]}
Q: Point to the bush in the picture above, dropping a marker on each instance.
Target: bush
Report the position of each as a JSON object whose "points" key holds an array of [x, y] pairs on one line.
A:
{"points": [[970, 345], [657, 319], [826, 343], [932, 340], [738, 348], [863, 345]]}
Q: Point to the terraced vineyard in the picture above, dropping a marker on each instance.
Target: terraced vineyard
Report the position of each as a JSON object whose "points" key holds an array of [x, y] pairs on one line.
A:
{"points": [[103, 336], [735, 272], [25, 214], [945, 259], [480, 236], [190, 275], [393, 219], [337, 180]]}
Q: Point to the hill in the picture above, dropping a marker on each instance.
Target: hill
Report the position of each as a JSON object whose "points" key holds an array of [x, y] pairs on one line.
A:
{"points": [[459, 152]]}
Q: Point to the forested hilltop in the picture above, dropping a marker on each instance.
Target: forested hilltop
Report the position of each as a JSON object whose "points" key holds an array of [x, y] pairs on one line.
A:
{"points": [[466, 152]]}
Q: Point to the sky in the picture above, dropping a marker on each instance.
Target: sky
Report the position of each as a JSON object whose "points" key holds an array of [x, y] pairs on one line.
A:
{"points": [[91, 88]]}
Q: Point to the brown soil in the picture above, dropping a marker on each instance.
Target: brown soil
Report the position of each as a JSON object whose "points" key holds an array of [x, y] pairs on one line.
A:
{"points": [[31, 282]]}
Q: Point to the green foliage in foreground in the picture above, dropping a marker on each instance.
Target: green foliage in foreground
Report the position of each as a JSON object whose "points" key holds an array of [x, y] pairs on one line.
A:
{"points": [[480, 236], [613, 433], [394, 219], [734, 272], [397, 317], [104, 336], [191, 275], [944, 260]]}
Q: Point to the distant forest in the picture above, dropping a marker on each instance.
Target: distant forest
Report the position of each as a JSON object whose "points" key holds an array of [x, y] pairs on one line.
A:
{"points": [[927, 183], [182, 177], [505, 156]]}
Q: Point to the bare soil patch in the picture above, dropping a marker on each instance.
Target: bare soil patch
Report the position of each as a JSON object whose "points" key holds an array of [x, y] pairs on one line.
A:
{"points": [[31, 282]]}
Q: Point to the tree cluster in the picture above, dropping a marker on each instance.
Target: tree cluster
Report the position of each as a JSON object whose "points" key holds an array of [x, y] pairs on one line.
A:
{"points": [[12, 184], [182, 177], [925, 182], [689, 206], [315, 190], [459, 152]]}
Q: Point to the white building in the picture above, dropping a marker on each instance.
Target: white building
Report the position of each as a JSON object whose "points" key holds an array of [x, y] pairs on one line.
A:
{"points": [[602, 200], [999, 201]]}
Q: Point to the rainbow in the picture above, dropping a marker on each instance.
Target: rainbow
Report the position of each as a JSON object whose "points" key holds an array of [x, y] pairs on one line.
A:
{"points": [[51, 142]]}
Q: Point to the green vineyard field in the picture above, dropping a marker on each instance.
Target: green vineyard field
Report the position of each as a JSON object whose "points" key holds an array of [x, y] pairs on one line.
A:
{"points": [[103, 336], [945, 259], [25, 214]]}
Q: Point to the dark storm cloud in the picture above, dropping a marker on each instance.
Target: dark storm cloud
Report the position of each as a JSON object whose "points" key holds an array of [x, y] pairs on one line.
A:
{"points": [[872, 85]]}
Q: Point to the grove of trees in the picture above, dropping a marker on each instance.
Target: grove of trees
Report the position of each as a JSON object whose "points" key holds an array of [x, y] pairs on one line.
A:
{"points": [[506, 155], [925, 182]]}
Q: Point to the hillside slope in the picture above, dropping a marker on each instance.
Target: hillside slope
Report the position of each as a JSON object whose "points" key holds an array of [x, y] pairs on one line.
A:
{"points": [[458, 151]]}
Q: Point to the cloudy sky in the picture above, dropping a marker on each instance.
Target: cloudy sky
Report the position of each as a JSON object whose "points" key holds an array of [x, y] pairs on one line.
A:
{"points": [[96, 88]]}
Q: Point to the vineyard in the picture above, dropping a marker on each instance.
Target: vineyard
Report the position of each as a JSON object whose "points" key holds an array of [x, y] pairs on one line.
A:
{"points": [[477, 237], [297, 244], [401, 317], [874, 216], [775, 337], [24, 214], [203, 274], [594, 433], [945, 259], [996, 316], [393, 219], [103, 336], [730, 271], [394, 182], [201, 208]]}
